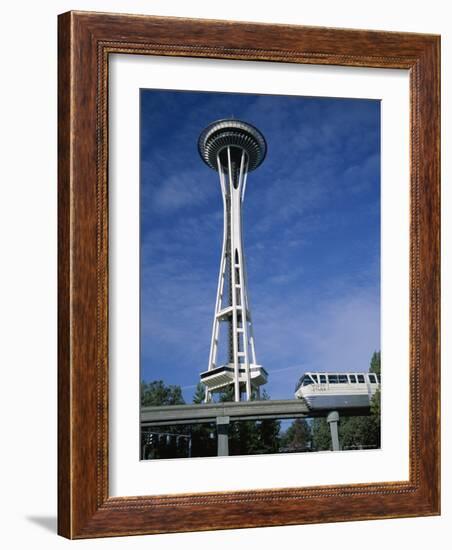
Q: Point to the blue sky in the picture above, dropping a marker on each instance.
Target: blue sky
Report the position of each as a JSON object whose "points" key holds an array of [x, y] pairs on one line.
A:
{"points": [[311, 235]]}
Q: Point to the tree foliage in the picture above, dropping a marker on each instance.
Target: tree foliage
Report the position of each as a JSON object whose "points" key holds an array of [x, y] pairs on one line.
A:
{"points": [[375, 404], [297, 437], [157, 393], [375, 363], [204, 441], [321, 437], [251, 436], [163, 441], [200, 393]]}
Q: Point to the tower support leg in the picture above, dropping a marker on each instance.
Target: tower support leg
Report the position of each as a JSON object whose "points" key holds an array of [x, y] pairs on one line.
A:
{"points": [[333, 420], [223, 435], [207, 396]]}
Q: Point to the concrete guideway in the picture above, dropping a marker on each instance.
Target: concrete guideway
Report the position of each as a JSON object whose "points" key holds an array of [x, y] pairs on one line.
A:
{"points": [[223, 413], [209, 412]]}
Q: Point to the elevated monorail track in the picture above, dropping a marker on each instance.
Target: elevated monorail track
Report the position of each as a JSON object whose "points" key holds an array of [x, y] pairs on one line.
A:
{"points": [[244, 410], [223, 413]]}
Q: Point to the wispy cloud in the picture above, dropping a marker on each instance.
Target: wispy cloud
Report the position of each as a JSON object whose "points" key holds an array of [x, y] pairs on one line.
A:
{"points": [[175, 191]]}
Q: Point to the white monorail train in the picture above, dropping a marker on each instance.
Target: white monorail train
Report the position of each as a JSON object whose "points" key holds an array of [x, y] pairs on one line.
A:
{"points": [[337, 390]]}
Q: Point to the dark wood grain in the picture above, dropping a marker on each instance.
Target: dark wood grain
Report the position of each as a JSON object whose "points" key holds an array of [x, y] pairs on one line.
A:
{"points": [[64, 295], [85, 42]]}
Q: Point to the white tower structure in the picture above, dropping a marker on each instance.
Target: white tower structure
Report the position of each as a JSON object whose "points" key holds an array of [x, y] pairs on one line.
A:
{"points": [[233, 148]]}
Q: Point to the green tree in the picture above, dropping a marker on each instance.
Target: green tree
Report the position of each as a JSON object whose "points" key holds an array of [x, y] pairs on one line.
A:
{"points": [[200, 393], [375, 415], [375, 404], [226, 394], [268, 431], [375, 363], [297, 437], [243, 437], [203, 435], [157, 393], [165, 441], [375, 408], [321, 437], [364, 431], [251, 436], [357, 432]]}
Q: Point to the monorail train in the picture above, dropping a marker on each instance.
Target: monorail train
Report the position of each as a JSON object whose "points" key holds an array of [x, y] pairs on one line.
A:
{"points": [[337, 390]]}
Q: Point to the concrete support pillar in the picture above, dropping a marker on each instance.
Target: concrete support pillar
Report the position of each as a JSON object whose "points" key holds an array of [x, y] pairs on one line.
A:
{"points": [[223, 435], [333, 420]]}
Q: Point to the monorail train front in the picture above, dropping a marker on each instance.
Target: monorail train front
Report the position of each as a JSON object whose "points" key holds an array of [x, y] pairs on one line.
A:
{"points": [[337, 390], [304, 390]]}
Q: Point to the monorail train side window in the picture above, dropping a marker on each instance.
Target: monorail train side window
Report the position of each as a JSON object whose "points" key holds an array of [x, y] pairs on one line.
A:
{"points": [[361, 378], [306, 381], [343, 379], [332, 378], [323, 378], [352, 378], [372, 378], [314, 377]]}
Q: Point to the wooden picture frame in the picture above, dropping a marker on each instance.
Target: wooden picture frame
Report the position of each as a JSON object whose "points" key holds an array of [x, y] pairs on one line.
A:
{"points": [[86, 40]]}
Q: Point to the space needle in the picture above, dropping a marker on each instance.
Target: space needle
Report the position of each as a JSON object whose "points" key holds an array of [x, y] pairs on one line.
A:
{"points": [[233, 148]]}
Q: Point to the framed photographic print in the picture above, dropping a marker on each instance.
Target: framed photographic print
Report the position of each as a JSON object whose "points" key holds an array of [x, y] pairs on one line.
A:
{"points": [[248, 274]]}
